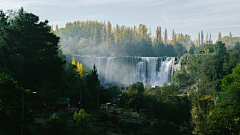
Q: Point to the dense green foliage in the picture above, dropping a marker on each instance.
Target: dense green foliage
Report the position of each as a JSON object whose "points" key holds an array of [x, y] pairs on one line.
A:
{"points": [[29, 53], [213, 88], [56, 125], [82, 118], [11, 106], [204, 96], [162, 103]]}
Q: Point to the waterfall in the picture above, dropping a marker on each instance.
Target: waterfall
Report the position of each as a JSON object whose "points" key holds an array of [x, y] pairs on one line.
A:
{"points": [[124, 70]]}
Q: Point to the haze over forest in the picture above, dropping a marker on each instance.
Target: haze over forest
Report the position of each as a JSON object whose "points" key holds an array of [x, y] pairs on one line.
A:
{"points": [[92, 38], [156, 67]]}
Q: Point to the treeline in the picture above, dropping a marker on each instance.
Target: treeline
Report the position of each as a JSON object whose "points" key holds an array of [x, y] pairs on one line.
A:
{"points": [[229, 41], [212, 81], [94, 38]]}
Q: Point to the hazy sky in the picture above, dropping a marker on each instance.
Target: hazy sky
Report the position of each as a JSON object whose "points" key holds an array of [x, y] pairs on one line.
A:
{"points": [[184, 16]]}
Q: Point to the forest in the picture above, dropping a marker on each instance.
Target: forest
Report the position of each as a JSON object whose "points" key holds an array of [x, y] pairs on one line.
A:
{"points": [[93, 38], [43, 90]]}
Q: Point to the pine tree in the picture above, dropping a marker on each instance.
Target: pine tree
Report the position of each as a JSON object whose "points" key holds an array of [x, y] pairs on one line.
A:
{"points": [[32, 39]]}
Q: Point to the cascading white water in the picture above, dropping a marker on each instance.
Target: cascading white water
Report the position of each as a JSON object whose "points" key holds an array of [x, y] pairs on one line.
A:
{"points": [[124, 70]]}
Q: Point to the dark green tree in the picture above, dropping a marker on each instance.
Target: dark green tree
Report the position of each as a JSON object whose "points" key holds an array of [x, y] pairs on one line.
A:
{"points": [[37, 49], [225, 118], [138, 86], [11, 107], [220, 51], [93, 87], [217, 72], [56, 125]]}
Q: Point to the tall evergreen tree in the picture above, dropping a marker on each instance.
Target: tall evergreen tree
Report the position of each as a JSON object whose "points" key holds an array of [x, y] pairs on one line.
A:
{"points": [[92, 85]]}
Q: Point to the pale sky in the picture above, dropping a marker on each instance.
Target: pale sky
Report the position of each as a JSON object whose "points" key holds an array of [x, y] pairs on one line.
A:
{"points": [[184, 16]]}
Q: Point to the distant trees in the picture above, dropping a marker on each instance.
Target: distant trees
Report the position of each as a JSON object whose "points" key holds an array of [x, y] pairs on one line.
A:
{"points": [[183, 39], [76, 38], [158, 35]]}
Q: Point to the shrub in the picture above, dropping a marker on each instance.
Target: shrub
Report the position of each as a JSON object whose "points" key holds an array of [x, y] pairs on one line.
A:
{"points": [[56, 125], [82, 118]]}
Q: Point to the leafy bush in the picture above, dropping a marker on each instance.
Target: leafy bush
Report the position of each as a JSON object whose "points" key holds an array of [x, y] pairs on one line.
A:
{"points": [[82, 118], [56, 125]]}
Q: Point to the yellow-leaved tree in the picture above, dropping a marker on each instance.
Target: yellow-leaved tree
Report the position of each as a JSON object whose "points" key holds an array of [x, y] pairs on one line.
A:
{"points": [[81, 69], [73, 61]]}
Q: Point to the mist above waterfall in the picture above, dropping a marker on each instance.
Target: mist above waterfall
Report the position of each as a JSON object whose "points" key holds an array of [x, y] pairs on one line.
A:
{"points": [[124, 70]]}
